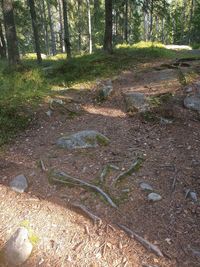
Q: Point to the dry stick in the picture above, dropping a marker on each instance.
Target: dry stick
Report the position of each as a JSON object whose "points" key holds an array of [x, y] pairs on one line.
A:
{"points": [[43, 166], [136, 164], [142, 241], [88, 213], [83, 183]]}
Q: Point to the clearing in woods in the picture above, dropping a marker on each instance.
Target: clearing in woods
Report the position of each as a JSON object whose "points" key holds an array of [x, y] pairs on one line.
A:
{"points": [[167, 138]]}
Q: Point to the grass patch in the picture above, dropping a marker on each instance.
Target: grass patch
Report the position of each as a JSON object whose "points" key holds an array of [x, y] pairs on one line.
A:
{"points": [[20, 93]]}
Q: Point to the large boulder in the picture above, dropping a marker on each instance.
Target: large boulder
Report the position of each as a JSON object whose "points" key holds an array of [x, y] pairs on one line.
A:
{"points": [[135, 102], [18, 248], [83, 139], [192, 102]]}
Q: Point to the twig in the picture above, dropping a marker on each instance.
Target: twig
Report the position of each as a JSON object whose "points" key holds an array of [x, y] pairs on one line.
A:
{"points": [[134, 167], [62, 175], [93, 217], [43, 166], [144, 242], [106, 171]]}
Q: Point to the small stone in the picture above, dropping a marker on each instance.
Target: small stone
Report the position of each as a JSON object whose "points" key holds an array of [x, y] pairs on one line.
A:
{"points": [[19, 183], [49, 113], [154, 197], [188, 89], [146, 187], [193, 196], [18, 248], [105, 91]]}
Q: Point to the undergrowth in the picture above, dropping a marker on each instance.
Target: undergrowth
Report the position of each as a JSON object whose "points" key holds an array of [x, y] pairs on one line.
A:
{"points": [[22, 90]]}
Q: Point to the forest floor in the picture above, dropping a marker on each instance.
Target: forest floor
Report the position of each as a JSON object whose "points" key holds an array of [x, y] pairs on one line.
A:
{"points": [[168, 139]]}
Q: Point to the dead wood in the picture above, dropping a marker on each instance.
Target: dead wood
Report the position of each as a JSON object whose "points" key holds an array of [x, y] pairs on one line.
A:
{"points": [[62, 177], [149, 246]]}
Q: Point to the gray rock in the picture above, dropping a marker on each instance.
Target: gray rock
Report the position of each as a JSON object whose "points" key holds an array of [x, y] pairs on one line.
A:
{"points": [[146, 187], [165, 121], [19, 183], [135, 102], [105, 91], [193, 196], [18, 248], [188, 89], [154, 197], [192, 102], [83, 139]]}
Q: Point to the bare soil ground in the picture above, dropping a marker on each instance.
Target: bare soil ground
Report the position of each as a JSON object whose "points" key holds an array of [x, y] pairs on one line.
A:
{"points": [[171, 153]]}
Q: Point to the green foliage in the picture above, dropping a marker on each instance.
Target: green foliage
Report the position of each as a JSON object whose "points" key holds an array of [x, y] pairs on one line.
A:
{"points": [[20, 92], [87, 68]]}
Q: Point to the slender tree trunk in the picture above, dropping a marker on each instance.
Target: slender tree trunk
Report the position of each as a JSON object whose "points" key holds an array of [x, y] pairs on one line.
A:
{"points": [[53, 39], [96, 14], [45, 25], [35, 30], [89, 27], [79, 25], [108, 27], [126, 22], [61, 35], [190, 21], [2, 43], [11, 36], [66, 29], [151, 21]]}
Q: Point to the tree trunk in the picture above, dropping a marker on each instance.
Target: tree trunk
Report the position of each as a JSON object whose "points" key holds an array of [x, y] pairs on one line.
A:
{"points": [[2, 43], [66, 29], [61, 35], [108, 27], [45, 25], [11, 36], [190, 22], [79, 25], [35, 30], [89, 27], [126, 22], [53, 39], [150, 37]]}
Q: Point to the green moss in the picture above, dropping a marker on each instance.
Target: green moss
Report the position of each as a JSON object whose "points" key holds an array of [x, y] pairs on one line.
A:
{"points": [[102, 140], [34, 239]]}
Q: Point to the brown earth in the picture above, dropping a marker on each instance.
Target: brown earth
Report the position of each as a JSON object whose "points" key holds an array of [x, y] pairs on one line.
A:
{"points": [[171, 157]]}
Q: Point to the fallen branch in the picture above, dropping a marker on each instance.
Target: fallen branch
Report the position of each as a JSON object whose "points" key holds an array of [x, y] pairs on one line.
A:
{"points": [[43, 166], [62, 175], [134, 167], [144, 242], [106, 171], [93, 217]]}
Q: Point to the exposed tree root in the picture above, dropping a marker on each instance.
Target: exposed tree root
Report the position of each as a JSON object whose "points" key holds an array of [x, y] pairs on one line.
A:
{"points": [[62, 177], [149, 246]]}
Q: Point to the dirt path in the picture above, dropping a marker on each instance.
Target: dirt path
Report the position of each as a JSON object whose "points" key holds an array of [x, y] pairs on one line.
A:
{"points": [[171, 152]]}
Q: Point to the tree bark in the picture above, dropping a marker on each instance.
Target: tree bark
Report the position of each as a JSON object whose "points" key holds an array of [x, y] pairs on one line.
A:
{"points": [[66, 30], [89, 27], [108, 27], [126, 22], [45, 25], [53, 39], [79, 25], [2, 43], [61, 35], [35, 29], [11, 36]]}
